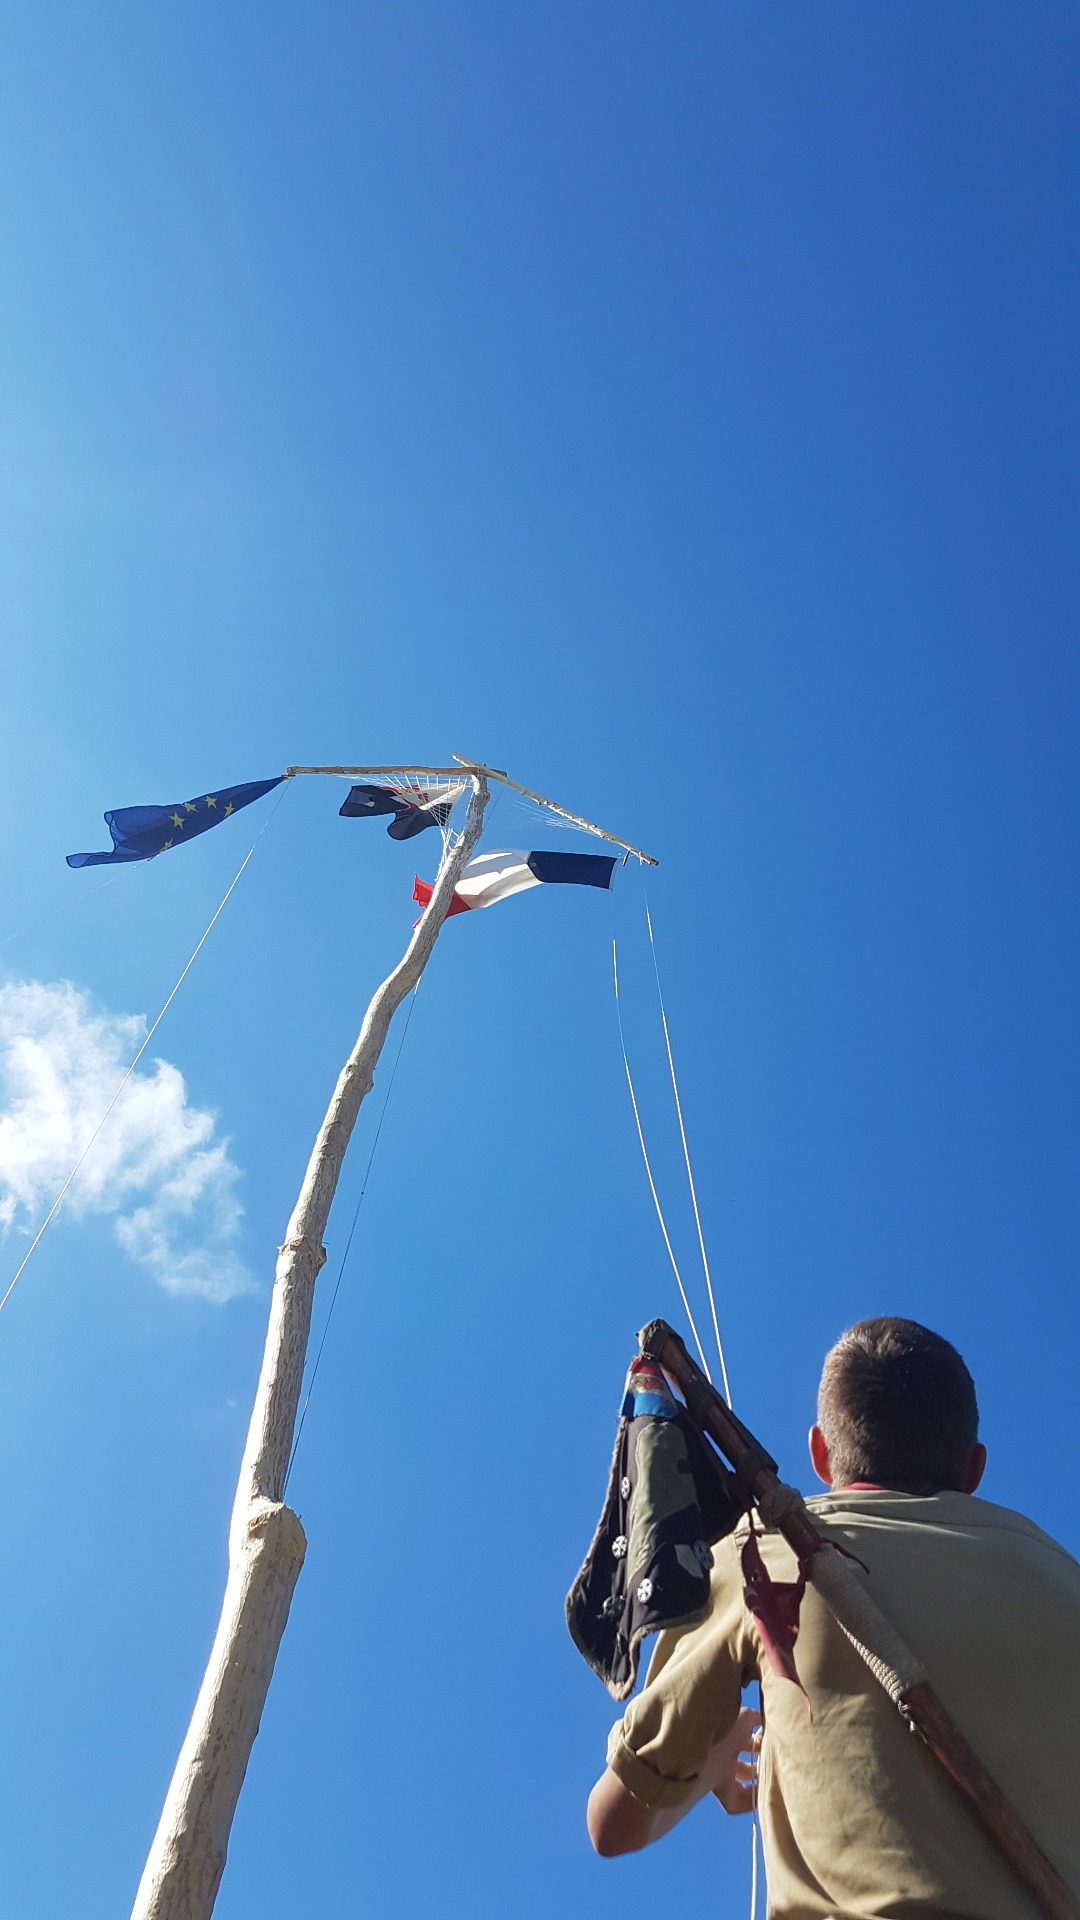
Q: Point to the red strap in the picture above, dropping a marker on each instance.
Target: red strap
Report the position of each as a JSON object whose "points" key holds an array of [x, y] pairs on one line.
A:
{"points": [[775, 1606]]}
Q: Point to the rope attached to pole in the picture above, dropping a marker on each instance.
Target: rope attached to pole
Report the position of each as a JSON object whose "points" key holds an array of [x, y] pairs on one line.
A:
{"points": [[54, 1209], [648, 1167], [686, 1150]]}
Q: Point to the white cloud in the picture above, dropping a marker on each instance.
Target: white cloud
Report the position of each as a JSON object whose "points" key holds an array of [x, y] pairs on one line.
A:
{"points": [[155, 1167]]}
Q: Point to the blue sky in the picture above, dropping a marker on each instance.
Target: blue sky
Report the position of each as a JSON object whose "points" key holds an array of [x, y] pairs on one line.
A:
{"points": [[677, 408]]}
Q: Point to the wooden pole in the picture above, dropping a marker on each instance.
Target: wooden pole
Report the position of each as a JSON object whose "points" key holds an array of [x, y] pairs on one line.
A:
{"points": [[443, 773], [873, 1635], [266, 1541], [477, 767]]}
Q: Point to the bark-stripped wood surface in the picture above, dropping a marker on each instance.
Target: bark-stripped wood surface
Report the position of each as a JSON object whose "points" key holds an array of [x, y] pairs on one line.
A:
{"points": [[266, 1541]]}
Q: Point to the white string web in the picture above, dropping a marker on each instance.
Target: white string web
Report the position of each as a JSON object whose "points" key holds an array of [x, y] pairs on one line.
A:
{"points": [[519, 809], [422, 789], [435, 794]]}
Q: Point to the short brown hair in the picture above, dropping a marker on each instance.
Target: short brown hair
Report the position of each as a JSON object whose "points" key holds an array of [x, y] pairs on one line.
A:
{"points": [[897, 1407]]}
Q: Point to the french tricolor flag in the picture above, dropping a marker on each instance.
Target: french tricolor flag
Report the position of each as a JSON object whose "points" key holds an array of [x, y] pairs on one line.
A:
{"points": [[495, 876]]}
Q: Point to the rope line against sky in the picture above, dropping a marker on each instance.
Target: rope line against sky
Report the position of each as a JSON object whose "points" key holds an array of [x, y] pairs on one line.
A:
{"points": [[219, 909], [648, 1165], [686, 1149]]}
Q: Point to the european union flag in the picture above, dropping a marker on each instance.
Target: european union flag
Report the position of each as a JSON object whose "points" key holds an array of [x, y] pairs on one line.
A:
{"points": [[141, 832]]}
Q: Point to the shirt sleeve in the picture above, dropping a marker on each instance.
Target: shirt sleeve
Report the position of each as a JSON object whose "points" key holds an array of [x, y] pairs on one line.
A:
{"points": [[690, 1699]]}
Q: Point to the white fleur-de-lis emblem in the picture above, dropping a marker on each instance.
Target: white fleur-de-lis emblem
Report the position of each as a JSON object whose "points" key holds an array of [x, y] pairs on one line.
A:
{"points": [[644, 1592], [619, 1546]]}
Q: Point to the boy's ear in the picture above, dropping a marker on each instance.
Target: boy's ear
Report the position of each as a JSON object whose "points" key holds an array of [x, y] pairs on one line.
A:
{"points": [[819, 1455], [975, 1469]]}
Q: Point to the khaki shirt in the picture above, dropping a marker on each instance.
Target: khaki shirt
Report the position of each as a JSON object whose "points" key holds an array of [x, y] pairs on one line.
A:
{"points": [[858, 1820]]}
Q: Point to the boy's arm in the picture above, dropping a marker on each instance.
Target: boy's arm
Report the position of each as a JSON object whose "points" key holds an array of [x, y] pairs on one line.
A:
{"points": [[620, 1823]]}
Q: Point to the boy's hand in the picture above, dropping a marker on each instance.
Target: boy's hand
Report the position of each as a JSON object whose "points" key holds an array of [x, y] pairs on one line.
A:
{"points": [[731, 1771]]}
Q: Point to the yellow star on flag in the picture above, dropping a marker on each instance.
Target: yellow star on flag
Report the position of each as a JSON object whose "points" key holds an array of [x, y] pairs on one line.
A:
{"points": [[228, 810], [189, 806], [177, 820], [166, 847], [210, 800]]}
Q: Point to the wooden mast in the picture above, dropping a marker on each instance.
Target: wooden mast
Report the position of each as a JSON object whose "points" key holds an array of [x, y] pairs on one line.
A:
{"points": [[266, 1541], [461, 768]]}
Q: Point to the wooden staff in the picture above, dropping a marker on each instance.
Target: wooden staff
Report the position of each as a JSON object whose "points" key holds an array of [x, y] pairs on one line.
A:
{"points": [[479, 770], [266, 1541], [859, 1617]]}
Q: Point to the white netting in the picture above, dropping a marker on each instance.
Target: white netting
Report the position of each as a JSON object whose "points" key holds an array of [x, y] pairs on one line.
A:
{"points": [[436, 794], [518, 807], [424, 789], [522, 820]]}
